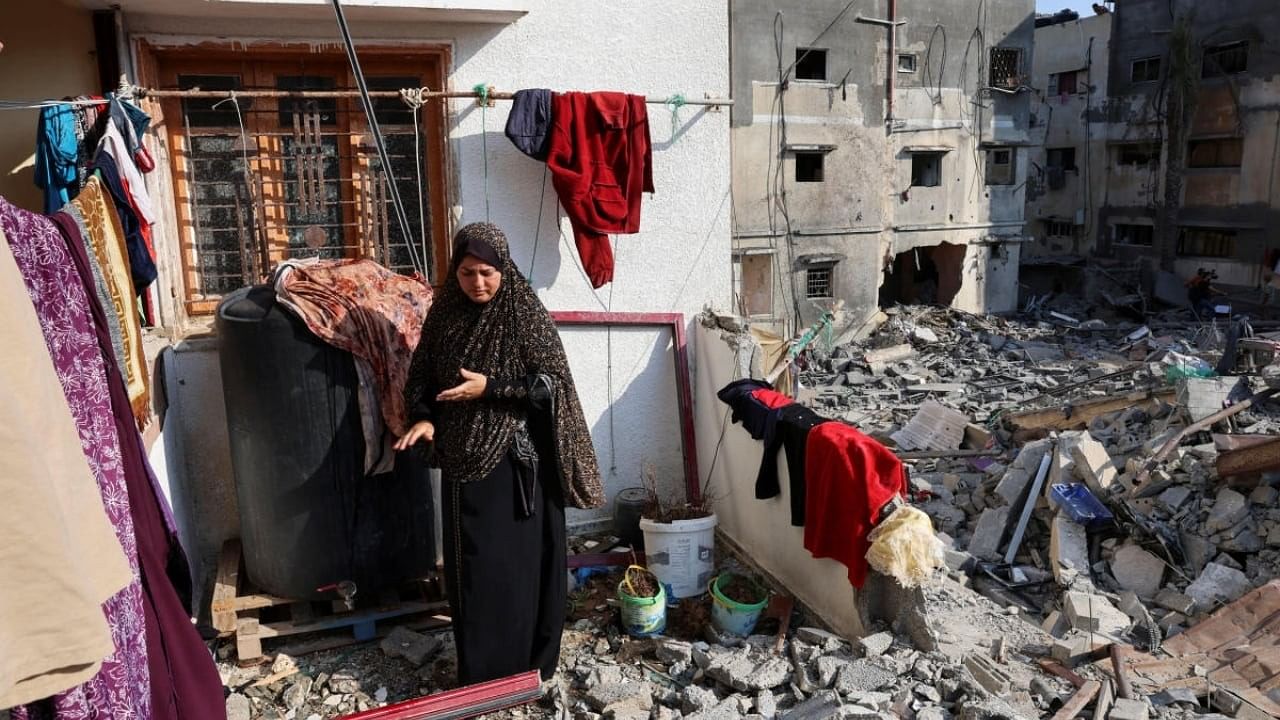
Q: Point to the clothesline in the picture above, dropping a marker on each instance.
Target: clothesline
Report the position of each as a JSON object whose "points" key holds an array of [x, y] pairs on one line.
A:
{"points": [[426, 94], [38, 104]]}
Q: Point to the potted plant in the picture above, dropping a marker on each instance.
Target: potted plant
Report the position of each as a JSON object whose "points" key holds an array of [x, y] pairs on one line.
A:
{"points": [[679, 540], [736, 603], [643, 601]]}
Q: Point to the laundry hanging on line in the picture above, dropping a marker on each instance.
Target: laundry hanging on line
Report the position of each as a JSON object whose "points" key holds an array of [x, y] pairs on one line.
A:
{"points": [[597, 148]]}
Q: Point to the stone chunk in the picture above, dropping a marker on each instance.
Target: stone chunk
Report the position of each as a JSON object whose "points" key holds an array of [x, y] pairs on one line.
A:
{"points": [[1093, 464], [1172, 500], [1169, 599], [1123, 709], [821, 706], [1094, 613], [696, 698], [1069, 551], [674, 651], [1175, 696], [766, 704], [238, 707], [862, 677], [1229, 508], [988, 533], [1070, 645], [607, 695], [1138, 570], [1264, 495], [414, 647], [877, 644], [1218, 583]]}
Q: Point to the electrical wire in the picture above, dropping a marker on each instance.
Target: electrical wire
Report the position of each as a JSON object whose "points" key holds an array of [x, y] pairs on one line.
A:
{"points": [[380, 142], [942, 65]]}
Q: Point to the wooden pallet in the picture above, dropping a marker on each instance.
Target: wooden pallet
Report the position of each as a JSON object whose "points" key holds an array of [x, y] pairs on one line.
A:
{"points": [[253, 617]]}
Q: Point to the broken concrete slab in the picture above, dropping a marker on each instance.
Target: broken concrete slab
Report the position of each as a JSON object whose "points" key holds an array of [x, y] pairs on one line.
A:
{"points": [[603, 696], [1202, 397], [1170, 599], [1172, 500], [1264, 495], [1229, 508], [1093, 613], [1127, 709], [414, 647], [934, 427], [862, 676], [1138, 570], [989, 533], [1069, 552], [877, 644], [1218, 584], [821, 706], [1093, 464], [1025, 466]]}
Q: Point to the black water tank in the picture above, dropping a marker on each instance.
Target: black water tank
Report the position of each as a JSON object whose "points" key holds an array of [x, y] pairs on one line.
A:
{"points": [[309, 517]]}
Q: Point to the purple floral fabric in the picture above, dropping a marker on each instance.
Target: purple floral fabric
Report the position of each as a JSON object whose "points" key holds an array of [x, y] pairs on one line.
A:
{"points": [[122, 688]]}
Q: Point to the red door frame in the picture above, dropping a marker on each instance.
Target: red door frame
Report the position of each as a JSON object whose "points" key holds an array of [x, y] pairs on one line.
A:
{"points": [[684, 391]]}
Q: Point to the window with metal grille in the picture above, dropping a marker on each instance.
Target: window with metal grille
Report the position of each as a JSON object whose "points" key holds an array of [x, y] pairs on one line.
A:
{"points": [[1065, 83], [1000, 166], [1226, 59], [264, 178], [1145, 70], [926, 169], [811, 64], [1006, 67], [817, 282], [1206, 242], [1215, 153], [1138, 154], [1133, 234], [1064, 158], [1059, 228], [809, 166]]}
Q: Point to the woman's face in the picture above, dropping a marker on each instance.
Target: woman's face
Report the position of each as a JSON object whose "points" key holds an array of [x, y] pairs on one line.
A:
{"points": [[479, 280]]}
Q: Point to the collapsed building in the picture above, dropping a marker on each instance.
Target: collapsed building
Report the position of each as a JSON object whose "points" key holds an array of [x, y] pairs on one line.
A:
{"points": [[879, 156]]}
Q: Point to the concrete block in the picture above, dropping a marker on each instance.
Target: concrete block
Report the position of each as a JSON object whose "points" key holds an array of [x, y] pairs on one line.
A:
{"points": [[1069, 551], [1172, 500], [1093, 465], [1203, 397], [1169, 599], [988, 533], [1055, 624], [1093, 613], [1218, 583], [1264, 495], [1023, 471], [1069, 646], [1138, 570], [1229, 508], [988, 674], [1124, 709]]}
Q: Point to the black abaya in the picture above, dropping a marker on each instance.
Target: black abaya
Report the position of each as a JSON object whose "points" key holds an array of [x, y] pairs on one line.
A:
{"points": [[508, 601]]}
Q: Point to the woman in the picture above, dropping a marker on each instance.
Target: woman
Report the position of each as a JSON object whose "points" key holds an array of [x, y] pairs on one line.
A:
{"points": [[489, 389]]}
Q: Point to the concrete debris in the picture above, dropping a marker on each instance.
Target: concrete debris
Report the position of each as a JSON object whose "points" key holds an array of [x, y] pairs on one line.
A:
{"points": [[1123, 709], [1229, 509], [412, 646], [877, 644], [1218, 584], [1138, 570]]}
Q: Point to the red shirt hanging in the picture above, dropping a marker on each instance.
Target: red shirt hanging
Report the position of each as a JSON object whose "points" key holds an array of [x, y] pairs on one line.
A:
{"points": [[600, 161], [848, 478]]}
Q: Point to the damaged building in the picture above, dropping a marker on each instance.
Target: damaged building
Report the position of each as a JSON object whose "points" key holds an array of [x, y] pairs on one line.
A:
{"points": [[880, 155], [1161, 151], [1066, 183]]}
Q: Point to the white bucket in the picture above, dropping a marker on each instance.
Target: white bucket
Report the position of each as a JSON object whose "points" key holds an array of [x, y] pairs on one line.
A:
{"points": [[682, 553]]}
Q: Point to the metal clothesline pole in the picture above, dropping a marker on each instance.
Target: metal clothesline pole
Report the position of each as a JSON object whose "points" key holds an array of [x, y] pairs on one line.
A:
{"points": [[428, 94]]}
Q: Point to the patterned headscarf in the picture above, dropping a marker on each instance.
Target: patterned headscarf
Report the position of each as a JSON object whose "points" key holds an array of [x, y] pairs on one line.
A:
{"points": [[508, 338]]}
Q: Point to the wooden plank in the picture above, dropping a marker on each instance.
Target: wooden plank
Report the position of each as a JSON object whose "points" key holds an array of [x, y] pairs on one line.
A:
{"points": [[256, 601], [283, 629], [1106, 698], [225, 585], [1078, 416], [1079, 701]]}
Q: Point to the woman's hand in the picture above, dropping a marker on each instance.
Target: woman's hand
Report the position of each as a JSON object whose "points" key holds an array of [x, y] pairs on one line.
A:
{"points": [[471, 388], [423, 430]]}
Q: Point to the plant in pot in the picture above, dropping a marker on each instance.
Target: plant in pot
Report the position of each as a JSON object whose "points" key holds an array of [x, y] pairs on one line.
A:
{"points": [[643, 601], [737, 600], [679, 540]]}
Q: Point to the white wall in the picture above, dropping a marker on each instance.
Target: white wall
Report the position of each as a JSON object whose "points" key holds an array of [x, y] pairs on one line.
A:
{"points": [[761, 527], [679, 262]]}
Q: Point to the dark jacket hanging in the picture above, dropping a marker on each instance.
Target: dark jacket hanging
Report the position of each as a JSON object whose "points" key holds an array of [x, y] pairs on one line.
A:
{"points": [[141, 266], [529, 124]]}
